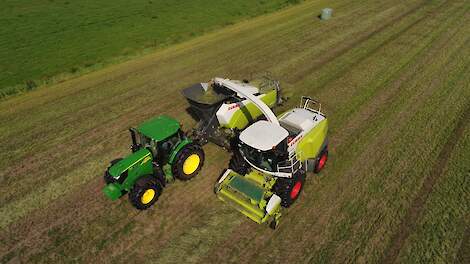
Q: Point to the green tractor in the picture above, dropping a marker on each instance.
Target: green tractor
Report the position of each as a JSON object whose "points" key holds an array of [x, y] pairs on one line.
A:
{"points": [[269, 167], [161, 152]]}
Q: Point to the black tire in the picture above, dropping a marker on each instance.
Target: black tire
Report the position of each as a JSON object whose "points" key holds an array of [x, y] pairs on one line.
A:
{"points": [[273, 225], [321, 160], [139, 190], [238, 164], [290, 189], [107, 177], [178, 166]]}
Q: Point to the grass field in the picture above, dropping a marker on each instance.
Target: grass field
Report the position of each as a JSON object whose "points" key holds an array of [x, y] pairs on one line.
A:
{"points": [[394, 80], [47, 41]]}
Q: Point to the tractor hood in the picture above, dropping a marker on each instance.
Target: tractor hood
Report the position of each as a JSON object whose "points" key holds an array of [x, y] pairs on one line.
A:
{"points": [[141, 156]]}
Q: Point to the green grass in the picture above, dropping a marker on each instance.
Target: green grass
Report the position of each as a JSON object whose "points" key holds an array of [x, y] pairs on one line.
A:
{"points": [[439, 233], [47, 40], [392, 77]]}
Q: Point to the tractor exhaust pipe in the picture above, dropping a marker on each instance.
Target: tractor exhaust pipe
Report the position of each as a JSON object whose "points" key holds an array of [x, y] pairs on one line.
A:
{"points": [[134, 146]]}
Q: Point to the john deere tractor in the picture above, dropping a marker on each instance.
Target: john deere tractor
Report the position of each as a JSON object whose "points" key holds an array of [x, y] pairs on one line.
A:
{"points": [[269, 166], [161, 152]]}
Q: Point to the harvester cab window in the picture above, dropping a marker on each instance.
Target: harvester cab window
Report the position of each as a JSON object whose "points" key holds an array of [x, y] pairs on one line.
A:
{"points": [[265, 160]]}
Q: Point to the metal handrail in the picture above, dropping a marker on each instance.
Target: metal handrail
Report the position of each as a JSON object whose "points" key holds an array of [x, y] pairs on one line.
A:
{"points": [[308, 103], [294, 164]]}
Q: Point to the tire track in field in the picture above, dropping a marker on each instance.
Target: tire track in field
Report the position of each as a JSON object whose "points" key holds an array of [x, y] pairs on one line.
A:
{"points": [[415, 211], [463, 255]]}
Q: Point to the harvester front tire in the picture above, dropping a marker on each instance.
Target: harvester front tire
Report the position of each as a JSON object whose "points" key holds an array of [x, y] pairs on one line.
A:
{"points": [[189, 162], [145, 192], [273, 225], [290, 189], [238, 164]]}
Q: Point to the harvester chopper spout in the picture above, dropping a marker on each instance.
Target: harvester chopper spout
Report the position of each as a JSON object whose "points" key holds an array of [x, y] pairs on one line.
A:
{"points": [[223, 107], [267, 112]]}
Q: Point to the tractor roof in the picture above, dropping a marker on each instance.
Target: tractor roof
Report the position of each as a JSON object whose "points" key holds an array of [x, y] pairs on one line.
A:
{"points": [[159, 128], [263, 135]]}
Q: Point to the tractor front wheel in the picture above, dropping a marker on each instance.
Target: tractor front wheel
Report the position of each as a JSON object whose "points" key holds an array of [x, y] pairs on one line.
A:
{"points": [[145, 192], [289, 189], [189, 162]]}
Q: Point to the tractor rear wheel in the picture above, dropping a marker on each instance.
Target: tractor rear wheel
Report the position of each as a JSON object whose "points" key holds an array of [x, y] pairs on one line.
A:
{"points": [[289, 189], [189, 162], [145, 192], [323, 157]]}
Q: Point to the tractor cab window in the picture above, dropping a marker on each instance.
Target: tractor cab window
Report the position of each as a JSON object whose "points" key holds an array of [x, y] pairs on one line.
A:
{"points": [[148, 143], [144, 141], [165, 147], [139, 140]]}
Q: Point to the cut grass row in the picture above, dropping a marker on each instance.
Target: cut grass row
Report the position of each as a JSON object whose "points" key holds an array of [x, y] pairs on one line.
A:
{"points": [[445, 218]]}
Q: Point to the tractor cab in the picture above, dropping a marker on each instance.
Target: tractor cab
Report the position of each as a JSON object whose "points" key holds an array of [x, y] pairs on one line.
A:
{"points": [[159, 135]]}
